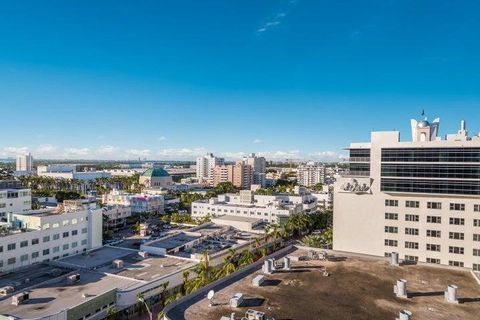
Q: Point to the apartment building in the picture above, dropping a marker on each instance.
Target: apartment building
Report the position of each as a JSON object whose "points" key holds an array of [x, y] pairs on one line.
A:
{"points": [[24, 163], [153, 203], [418, 198], [205, 165], [270, 208], [258, 165], [310, 174], [13, 198], [48, 234], [240, 175]]}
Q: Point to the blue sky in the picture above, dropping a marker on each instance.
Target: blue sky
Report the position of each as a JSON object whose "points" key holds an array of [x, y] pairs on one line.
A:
{"points": [[173, 79]]}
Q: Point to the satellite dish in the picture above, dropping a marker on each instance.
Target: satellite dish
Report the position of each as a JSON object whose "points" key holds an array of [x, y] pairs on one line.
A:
{"points": [[210, 294]]}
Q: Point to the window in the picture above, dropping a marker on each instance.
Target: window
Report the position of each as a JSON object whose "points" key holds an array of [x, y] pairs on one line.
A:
{"points": [[476, 222], [455, 250], [433, 260], [391, 203], [74, 221], [74, 244], [391, 243], [411, 258], [476, 252], [56, 236], [476, 267], [65, 234], [24, 244], [411, 245], [84, 242], [412, 204], [434, 219], [34, 255], [46, 252], [433, 247], [11, 246], [457, 221], [24, 257], [455, 263], [434, 233], [65, 246], [391, 216], [457, 206], [84, 230], [1, 248], [46, 226], [46, 238], [411, 217], [74, 232], [434, 205], [456, 236], [11, 261], [56, 225], [389, 229], [476, 208], [56, 249], [476, 237], [35, 241], [411, 231]]}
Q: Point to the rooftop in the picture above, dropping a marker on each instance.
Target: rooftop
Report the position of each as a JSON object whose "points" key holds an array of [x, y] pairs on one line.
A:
{"points": [[155, 172], [97, 258], [48, 299], [171, 242], [237, 218], [357, 288]]}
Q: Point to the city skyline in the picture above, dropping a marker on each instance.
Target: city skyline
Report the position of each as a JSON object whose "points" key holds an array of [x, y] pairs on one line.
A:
{"points": [[283, 79]]}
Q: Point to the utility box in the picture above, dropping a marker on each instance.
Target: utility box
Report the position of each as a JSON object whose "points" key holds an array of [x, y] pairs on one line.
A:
{"points": [[236, 300], [258, 281], [20, 298], [74, 278], [254, 315], [6, 290], [117, 264]]}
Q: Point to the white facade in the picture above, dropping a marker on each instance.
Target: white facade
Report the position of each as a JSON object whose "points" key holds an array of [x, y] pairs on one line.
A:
{"points": [[205, 165], [44, 235], [137, 202], [116, 214], [310, 174], [24, 163], [269, 208], [14, 200], [420, 198], [69, 171]]}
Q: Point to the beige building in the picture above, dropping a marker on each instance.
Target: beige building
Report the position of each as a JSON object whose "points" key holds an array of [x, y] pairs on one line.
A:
{"points": [[240, 175], [310, 174], [419, 198]]}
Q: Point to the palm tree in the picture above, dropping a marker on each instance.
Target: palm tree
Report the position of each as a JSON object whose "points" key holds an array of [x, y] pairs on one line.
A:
{"points": [[275, 234], [185, 274], [266, 232], [246, 258]]}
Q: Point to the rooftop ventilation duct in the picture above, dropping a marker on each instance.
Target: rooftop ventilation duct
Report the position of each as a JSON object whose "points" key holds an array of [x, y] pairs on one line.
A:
{"points": [[394, 259], [400, 289], [451, 294], [20, 298], [404, 315]]}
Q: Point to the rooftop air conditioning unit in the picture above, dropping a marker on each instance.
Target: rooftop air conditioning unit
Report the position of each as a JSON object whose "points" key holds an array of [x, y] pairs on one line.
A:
{"points": [[20, 298], [6, 290], [74, 278], [118, 264], [254, 315]]}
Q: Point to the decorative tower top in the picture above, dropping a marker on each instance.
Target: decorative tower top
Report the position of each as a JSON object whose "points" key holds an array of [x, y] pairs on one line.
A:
{"points": [[424, 131]]}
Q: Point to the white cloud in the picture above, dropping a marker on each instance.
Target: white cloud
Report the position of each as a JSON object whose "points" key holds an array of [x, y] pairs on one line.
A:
{"points": [[77, 152], [233, 155], [182, 153], [13, 151], [142, 153], [46, 148], [328, 156], [257, 141], [107, 150], [280, 155], [162, 138]]}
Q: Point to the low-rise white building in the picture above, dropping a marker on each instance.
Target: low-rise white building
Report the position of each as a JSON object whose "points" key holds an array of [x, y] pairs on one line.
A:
{"points": [[47, 234], [269, 208], [137, 202], [14, 198], [116, 214], [69, 171]]}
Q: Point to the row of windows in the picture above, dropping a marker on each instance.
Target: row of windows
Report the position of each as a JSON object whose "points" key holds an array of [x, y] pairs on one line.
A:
{"points": [[431, 205], [430, 247], [431, 219], [431, 171], [460, 187], [431, 155], [45, 252], [35, 241], [432, 233]]}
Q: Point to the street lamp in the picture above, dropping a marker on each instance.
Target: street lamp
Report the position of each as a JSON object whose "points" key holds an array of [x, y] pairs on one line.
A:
{"points": [[142, 300]]}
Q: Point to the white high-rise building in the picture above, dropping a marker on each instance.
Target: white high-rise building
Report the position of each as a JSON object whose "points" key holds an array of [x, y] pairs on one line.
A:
{"points": [[24, 162], [310, 174], [258, 165], [419, 198], [205, 165]]}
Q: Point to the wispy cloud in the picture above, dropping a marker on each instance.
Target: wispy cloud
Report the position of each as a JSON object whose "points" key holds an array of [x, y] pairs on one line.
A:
{"points": [[162, 138], [46, 149], [327, 156], [181, 153], [257, 141], [13, 151], [135, 153], [276, 18], [107, 150], [280, 155], [76, 152]]}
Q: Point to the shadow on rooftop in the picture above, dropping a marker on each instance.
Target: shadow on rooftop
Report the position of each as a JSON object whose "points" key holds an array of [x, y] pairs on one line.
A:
{"points": [[39, 300], [425, 294], [271, 282], [468, 300], [252, 302]]}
